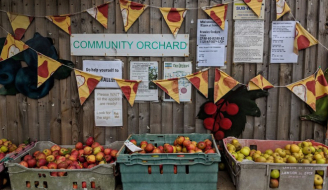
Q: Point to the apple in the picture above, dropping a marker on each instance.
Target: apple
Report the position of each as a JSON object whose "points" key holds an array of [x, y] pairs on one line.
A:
{"points": [[245, 151], [275, 174], [321, 161], [133, 141], [108, 158], [47, 152], [54, 174], [60, 159], [186, 143], [211, 151], [208, 142], [62, 165], [149, 147], [318, 180], [156, 150], [180, 140], [27, 157], [317, 156], [260, 159], [169, 149], [201, 145], [91, 166], [41, 162], [207, 148], [274, 183], [100, 156], [63, 151], [55, 153], [79, 146], [249, 158], [161, 148], [291, 159], [178, 148], [194, 142], [113, 153], [95, 144], [107, 151], [52, 165], [256, 155], [294, 148], [306, 150], [191, 151], [73, 158], [75, 153], [252, 152], [82, 159], [87, 150], [24, 163], [41, 155], [282, 153], [278, 160], [143, 143], [31, 163], [93, 185], [96, 150], [269, 152], [84, 184], [184, 149], [198, 150], [312, 149], [85, 165], [81, 152], [44, 167], [91, 159], [71, 167], [191, 147], [89, 141], [305, 161], [61, 174], [50, 158], [305, 144]]}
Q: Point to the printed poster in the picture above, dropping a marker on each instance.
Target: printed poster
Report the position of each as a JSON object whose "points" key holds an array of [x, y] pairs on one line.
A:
{"points": [[283, 34], [211, 43], [242, 11], [248, 41], [107, 69], [146, 71], [175, 70], [108, 107]]}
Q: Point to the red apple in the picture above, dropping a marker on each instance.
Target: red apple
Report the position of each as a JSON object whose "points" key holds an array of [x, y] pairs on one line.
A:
{"points": [[31, 163], [107, 151], [54, 174], [62, 165], [207, 148], [27, 157], [93, 185], [72, 158], [143, 142], [274, 183], [41, 155], [82, 159], [68, 162], [149, 148], [52, 165], [41, 162], [61, 174], [180, 140], [47, 152], [133, 141], [168, 149], [91, 159], [208, 142], [60, 159], [191, 151], [100, 156], [71, 167], [67, 156], [95, 144], [24, 163], [201, 145], [55, 153], [91, 166], [161, 148], [54, 148], [44, 167], [84, 184], [186, 143], [35, 154], [81, 152], [89, 141], [191, 147], [209, 151], [157, 150], [79, 146], [87, 150], [75, 153], [113, 153], [108, 158], [85, 165]]}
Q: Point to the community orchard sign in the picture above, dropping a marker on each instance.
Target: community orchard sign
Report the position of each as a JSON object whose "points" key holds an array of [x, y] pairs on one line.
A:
{"points": [[130, 45]]}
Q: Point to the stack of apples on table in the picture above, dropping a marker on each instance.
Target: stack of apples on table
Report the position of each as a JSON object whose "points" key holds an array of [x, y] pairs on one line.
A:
{"points": [[182, 144], [7, 147], [303, 152], [82, 156]]}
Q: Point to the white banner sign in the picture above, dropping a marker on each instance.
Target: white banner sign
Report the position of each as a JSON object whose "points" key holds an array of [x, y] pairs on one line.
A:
{"points": [[282, 44], [146, 71], [130, 45], [107, 69], [108, 107]]}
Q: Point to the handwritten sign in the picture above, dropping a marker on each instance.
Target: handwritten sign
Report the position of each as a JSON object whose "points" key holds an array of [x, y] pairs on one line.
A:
{"points": [[108, 107]]}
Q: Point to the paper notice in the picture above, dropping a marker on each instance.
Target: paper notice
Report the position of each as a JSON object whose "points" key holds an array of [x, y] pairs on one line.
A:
{"points": [[248, 41], [131, 146], [210, 55], [146, 71], [108, 107], [242, 11], [282, 44]]}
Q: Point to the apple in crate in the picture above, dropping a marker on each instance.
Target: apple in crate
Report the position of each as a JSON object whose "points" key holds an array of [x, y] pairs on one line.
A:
{"points": [[95, 144], [24, 163], [41, 155], [113, 153], [107, 151], [41, 162], [87, 150], [96, 150], [89, 141], [54, 148], [31, 163], [27, 157], [50, 158], [79, 146], [91, 159], [100, 156], [52, 165], [47, 152]]}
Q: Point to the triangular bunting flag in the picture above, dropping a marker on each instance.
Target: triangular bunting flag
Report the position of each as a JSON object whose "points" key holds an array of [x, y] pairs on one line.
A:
{"points": [[86, 83], [170, 87], [200, 81], [305, 90], [218, 13], [255, 5], [62, 21], [281, 8], [129, 89], [100, 13], [223, 84], [259, 83], [12, 47], [303, 39], [19, 23], [174, 18], [321, 85], [46, 67], [131, 12]]}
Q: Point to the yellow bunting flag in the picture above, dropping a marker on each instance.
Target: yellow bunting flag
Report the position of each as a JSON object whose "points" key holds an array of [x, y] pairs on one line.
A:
{"points": [[129, 89], [259, 83], [218, 13], [174, 18], [12, 47], [303, 39], [281, 8], [305, 90], [321, 85], [223, 84], [86, 83], [62, 21], [100, 13], [130, 12], [200, 81], [255, 5], [170, 87], [46, 67], [19, 23]]}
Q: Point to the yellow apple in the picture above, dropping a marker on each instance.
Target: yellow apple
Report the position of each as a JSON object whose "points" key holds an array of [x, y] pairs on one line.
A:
{"points": [[269, 152], [294, 148], [260, 159], [318, 180], [317, 156], [305, 161], [306, 150], [291, 159], [304, 144], [321, 161], [278, 160], [277, 150], [287, 147]]}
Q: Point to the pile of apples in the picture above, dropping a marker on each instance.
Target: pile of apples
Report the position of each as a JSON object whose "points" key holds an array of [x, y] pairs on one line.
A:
{"points": [[82, 156], [7, 147], [303, 152], [182, 144]]}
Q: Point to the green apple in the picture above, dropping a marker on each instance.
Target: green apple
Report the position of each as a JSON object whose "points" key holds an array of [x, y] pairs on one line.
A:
{"points": [[277, 150], [266, 156], [235, 155], [282, 153], [275, 174], [249, 158], [240, 159], [304, 144], [318, 180], [241, 156], [305, 161], [278, 159], [306, 150], [291, 159], [245, 151], [269, 152], [321, 161], [260, 159], [320, 172], [317, 156]]}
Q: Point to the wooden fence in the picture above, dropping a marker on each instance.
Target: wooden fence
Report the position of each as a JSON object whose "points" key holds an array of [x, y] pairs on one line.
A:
{"points": [[60, 118]]}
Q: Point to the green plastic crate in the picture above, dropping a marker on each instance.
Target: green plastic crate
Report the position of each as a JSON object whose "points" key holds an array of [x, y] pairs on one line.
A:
{"points": [[194, 171]]}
